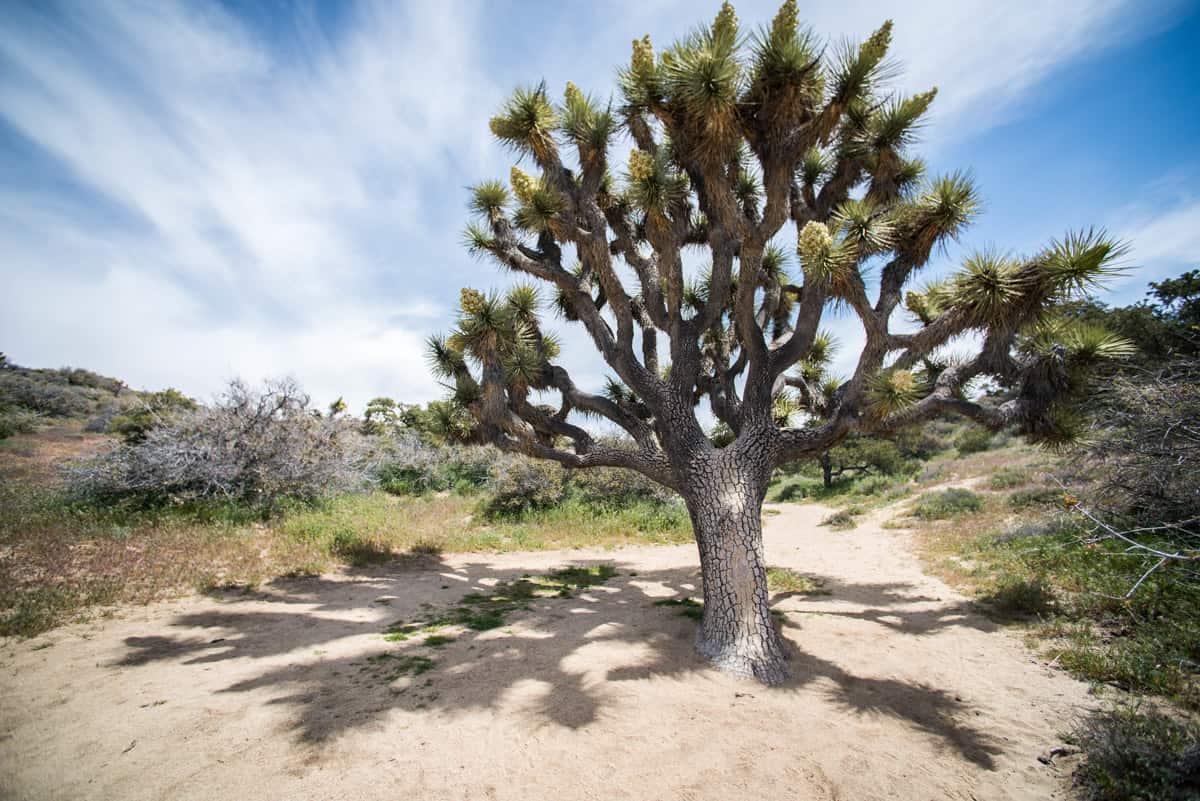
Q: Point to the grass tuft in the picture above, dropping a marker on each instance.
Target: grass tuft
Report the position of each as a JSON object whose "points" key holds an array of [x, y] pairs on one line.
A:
{"points": [[784, 579]]}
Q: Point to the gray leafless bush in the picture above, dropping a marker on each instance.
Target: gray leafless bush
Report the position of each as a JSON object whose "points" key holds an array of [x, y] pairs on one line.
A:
{"points": [[253, 446], [1144, 453]]}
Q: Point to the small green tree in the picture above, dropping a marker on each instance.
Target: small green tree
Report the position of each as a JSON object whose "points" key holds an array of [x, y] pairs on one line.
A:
{"points": [[151, 409], [382, 416], [737, 137]]}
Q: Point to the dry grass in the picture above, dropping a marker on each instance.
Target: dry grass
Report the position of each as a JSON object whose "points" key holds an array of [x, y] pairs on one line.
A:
{"points": [[58, 560], [35, 457]]}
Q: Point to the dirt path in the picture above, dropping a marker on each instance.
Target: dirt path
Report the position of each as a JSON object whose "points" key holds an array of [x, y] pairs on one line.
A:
{"points": [[900, 691]]}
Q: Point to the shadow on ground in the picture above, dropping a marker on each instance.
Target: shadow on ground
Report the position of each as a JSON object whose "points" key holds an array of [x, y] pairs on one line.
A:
{"points": [[317, 645]]}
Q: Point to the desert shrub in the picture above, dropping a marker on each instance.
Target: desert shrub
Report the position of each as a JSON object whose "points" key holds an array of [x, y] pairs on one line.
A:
{"points": [[466, 468], [413, 466], [254, 447], [610, 486], [1144, 454], [17, 421], [973, 439], [843, 519], [76, 376], [876, 485], [1007, 478], [947, 503], [410, 467], [148, 411], [794, 489], [53, 399], [1035, 496], [1018, 597], [1134, 755], [858, 454], [1145, 447], [99, 422], [921, 442], [1047, 527], [523, 485]]}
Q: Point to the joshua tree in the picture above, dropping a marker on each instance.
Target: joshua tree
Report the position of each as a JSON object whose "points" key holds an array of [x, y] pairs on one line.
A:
{"points": [[735, 139]]}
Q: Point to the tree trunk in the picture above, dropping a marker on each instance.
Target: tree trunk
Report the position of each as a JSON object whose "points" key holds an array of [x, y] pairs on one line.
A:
{"points": [[736, 632], [827, 469]]}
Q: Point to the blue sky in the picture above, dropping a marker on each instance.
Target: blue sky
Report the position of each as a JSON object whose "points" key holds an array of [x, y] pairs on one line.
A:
{"points": [[192, 191]]}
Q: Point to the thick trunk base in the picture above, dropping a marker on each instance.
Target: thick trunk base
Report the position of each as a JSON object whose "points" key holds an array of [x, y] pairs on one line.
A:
{"points": [[760, 657], [737, 633]]}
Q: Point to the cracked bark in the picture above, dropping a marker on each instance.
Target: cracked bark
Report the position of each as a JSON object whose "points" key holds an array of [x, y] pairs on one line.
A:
{"points": [[736, 633]]}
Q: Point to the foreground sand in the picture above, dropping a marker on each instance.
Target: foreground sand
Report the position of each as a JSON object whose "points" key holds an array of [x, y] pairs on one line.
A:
{"points": [[900, 691]]}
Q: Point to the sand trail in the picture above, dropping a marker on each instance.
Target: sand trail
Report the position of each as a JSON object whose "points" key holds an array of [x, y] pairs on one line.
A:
{"points": [[900, 690]]}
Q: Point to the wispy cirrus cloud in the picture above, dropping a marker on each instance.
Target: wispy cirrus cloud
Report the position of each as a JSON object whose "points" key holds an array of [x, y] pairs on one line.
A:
{"points": [[269, 205], [202, 196]]}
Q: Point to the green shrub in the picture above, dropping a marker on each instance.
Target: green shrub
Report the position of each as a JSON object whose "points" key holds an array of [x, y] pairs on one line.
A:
{"points": [[1130, 755], [17, 421], [524, 485], [612, 486], [1008, 477], [973, 439], [1017, 597], [843, 519], [1035, 496], [151, 409], [947, 503], [466, 469], [794, 489]]}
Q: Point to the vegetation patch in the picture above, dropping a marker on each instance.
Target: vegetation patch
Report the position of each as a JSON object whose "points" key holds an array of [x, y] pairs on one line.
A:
{"points": [[399, 665], [688, 607], [784, 579], [1135, 755], [843, 519], [1036, 496], [1008, 478], [1075, 593], [483, 611], [947, 503]]}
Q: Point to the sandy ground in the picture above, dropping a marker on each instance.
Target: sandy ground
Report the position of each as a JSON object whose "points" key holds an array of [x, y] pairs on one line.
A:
{"points": [[900, 691]]}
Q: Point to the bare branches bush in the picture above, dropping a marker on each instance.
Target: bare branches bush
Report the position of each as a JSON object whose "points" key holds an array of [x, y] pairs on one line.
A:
{"points": [[253, 446], [1145, 453]]}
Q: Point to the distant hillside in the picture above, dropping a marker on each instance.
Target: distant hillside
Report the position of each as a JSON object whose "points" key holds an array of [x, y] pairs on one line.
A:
{"points": [[31, 395]]}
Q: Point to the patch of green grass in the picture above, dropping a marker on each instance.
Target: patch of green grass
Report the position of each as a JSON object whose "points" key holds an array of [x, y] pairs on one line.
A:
{"points": [[1131, 755], [947, 503], [688, 607], [793, 489], [437, 640], [402, 664], [784, 579], [30, 612], [483, 611]]}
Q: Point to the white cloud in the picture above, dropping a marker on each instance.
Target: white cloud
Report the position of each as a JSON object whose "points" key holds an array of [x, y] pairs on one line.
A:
{"points": [[1164, 241], [264, 210], [269, 195], [984, 57]]}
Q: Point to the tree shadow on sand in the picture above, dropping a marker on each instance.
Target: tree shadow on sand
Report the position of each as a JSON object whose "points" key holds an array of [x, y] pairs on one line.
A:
{"points": [[319, 647]]}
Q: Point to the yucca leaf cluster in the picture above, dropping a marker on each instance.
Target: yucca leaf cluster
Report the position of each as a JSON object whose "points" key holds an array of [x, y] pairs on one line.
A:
{"points": [[786, 161]]}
